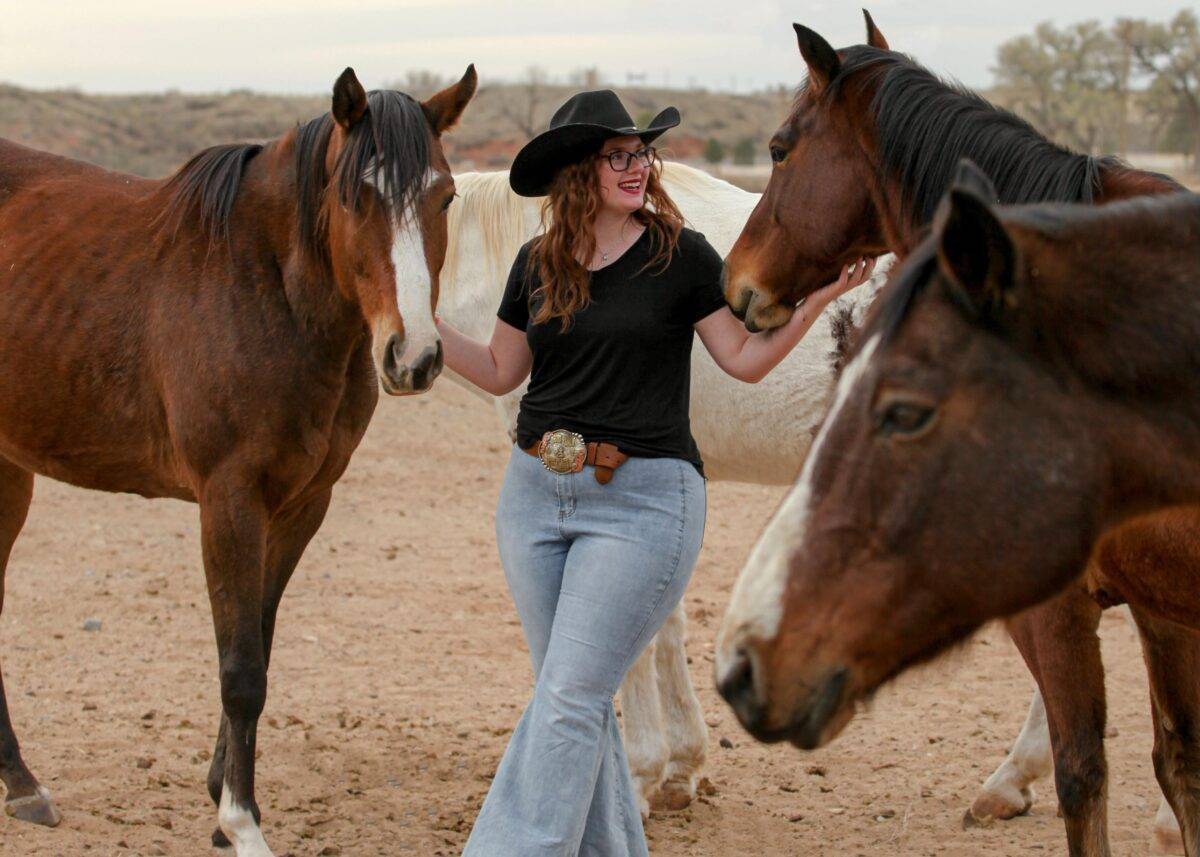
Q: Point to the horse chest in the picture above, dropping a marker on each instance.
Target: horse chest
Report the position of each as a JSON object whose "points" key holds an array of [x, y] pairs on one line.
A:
{"points": [[320, 452]]}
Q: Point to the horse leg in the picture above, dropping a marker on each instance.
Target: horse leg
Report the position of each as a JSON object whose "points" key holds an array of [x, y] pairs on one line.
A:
{"points": [[285, 546], [234, 525], [687, 734], [1059, 643], [1167, 837], [26, 798], [1007, 793], [1172, 654], [641, 716]]}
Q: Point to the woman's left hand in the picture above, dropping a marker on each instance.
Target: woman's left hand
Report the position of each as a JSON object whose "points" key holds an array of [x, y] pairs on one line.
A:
{"points": [[853, 276]]}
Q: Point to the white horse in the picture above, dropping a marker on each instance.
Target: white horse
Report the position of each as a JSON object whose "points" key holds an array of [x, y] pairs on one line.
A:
{"points": [[756, 433]]}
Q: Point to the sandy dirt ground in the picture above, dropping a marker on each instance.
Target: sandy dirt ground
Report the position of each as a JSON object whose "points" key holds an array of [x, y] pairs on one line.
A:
{"points": [[399, 671]]}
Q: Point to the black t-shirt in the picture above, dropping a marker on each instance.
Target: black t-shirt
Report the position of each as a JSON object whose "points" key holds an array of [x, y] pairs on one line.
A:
{"points": [[621, 373]]}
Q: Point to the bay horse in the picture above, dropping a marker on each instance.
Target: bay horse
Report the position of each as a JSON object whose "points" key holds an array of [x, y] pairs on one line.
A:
{"points": [[859, 165], [755, 433], [220, 337], [1028, 381], [868, 149]]}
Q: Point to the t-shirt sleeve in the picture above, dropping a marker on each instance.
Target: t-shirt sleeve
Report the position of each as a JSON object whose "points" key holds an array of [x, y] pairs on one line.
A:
{"points": [[514, 306], [707, 296]]}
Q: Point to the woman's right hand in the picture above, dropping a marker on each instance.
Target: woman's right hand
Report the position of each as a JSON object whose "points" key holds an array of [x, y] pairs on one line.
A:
{"points": [[852, 276]]}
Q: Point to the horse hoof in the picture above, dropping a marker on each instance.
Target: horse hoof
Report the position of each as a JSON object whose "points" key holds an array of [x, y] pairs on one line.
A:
{"points": [[672, 797], [998, 806], [1167, 842], [220, 840], [35, 809]]}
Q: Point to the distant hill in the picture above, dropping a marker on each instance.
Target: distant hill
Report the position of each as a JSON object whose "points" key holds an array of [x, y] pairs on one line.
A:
{"points": [[153, 134]]}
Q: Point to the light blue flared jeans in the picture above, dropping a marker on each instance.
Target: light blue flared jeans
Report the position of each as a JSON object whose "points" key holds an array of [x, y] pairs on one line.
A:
{"points": [[594, 571]]}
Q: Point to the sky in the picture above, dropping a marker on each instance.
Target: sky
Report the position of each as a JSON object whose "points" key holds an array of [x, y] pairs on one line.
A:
{"points": [[300, 46]]}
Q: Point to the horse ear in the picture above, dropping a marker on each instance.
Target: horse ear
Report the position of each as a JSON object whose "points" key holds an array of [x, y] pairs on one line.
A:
{"points": [[968, 176], [444, 109], [976, 254], [822, 59], [874, 38], [349, 99]]}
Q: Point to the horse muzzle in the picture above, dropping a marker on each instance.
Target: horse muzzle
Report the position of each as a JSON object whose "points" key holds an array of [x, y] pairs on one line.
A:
{"points": [[406, 377], [753, 307], [816, 718]]}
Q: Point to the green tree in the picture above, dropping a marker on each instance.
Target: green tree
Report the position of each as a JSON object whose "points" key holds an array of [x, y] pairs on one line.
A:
{"points": [[1168, 55], [744, 151], [1072, 83], [714, 151]]}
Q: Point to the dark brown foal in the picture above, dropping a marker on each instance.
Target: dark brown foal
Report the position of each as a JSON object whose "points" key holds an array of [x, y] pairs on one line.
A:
{"points": [[1027, 386], [221, 337]]}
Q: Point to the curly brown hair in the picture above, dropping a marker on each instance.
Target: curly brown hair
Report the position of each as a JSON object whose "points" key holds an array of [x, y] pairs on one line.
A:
{"points": [[567, 216]]}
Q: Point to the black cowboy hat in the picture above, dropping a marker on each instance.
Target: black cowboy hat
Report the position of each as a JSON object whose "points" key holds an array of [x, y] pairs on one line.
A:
{"points": [[576, 130]]}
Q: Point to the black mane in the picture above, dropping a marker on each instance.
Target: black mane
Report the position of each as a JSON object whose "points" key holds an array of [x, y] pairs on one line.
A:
{"points": [[926, 125], [208, 184], [388, 148]]}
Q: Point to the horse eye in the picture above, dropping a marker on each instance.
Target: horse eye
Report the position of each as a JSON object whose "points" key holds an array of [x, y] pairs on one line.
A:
{"points": [[778, 154], [449, 199], [904, 418]]}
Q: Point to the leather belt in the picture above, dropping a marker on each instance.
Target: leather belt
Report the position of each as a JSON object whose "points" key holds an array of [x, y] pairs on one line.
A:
{"points": [[562, 451]]}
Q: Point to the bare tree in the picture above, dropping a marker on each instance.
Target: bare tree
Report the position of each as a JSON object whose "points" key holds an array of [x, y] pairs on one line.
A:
{"points": [[587, 78], [1169, 56], [1072, 83], [522, 110]]}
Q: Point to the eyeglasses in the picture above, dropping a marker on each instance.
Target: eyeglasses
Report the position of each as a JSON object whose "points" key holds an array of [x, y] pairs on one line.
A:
{"points": [[620, 160]]}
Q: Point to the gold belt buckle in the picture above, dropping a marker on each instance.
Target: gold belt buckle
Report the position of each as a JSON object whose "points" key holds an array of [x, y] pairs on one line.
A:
{"points": [[562, 451]]}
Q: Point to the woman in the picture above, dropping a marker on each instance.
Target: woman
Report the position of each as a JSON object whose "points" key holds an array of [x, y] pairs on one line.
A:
{"points": [[602, 509]]}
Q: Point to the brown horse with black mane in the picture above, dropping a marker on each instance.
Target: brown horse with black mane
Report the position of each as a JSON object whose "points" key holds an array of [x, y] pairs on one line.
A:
{"points": [[1028, 381], [870, 146], [220, 337]]}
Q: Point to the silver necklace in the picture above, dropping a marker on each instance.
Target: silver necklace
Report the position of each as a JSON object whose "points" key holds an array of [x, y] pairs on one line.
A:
{"points": [[604, 253]]}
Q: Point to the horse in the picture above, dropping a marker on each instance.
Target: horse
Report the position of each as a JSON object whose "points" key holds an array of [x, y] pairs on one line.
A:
{"points": [[859, 165], [220, 337], [755, 433], [1035, 366]]}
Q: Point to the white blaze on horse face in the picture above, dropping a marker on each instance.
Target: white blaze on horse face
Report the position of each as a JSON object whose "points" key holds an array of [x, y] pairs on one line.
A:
{"points": [[414, 285], [237, 823], [756, 607]]}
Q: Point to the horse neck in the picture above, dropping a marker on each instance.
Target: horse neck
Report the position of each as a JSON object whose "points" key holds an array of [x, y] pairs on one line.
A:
{"points": [[709, 205], [1031, 168], [1118, 181], [901, 232], [897, 224], [266, 220], [1112, 284], [487, 225]]}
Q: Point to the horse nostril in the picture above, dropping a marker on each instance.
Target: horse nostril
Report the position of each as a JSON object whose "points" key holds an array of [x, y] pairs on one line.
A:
{"points": [[428, 367], [392, 353], [438, 362], [742, 306], [737, 688]]}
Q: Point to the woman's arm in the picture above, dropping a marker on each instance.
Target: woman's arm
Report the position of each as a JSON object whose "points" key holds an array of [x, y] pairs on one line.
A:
{"points": [[750, 356], [497, 367]]}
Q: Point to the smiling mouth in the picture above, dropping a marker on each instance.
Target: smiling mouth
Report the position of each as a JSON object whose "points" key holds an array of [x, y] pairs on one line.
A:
{"points": [[631, 186]]}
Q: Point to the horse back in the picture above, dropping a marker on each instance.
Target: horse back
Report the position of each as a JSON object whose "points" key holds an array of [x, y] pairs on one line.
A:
{"points": [[23, 168]]}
